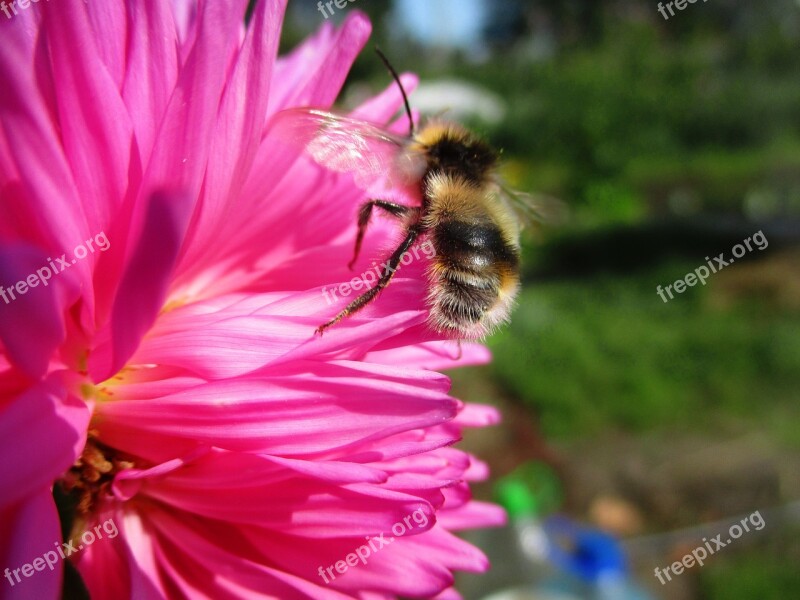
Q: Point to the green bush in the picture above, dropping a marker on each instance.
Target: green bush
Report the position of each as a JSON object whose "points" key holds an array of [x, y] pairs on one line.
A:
{"points": [[607, 352]]}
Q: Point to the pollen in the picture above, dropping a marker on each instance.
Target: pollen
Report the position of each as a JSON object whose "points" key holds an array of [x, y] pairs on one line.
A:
{"points": [[89, 480]]}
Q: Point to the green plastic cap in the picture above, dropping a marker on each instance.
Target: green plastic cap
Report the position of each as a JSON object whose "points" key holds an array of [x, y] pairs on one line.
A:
{"points": [[529, 491]]}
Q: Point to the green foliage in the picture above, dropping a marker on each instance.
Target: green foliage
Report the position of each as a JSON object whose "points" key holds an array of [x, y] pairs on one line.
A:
{"points": [[642, 115], [753, 575], [607, 352], [629, 110]]}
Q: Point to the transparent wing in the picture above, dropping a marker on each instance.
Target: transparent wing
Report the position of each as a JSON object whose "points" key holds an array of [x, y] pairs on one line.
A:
{"points": [[348, 145], [533, 210]]}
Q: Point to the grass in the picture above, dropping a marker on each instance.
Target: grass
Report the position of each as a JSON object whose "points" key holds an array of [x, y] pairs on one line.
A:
{"points": [[766, 575], [606, 352]]}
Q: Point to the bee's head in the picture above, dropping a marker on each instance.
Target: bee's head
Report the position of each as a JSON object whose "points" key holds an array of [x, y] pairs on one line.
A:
{"points": [[453, 149]]}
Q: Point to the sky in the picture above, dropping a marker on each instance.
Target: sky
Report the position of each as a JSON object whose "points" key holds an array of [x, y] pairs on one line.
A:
{"points": [[443, 22]]}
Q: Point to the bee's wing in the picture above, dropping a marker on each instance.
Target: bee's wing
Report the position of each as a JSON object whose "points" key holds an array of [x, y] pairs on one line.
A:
{"points": [[533, 210], [348, 145]]}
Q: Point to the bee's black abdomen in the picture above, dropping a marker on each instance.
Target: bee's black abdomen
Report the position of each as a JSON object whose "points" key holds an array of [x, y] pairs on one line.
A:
{"points": [[473, 246], [474, 261]]}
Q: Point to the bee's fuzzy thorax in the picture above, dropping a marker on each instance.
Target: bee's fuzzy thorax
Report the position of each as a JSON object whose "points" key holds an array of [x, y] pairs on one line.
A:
{"points": [[435, 130], [450, 196], [452, 149]]}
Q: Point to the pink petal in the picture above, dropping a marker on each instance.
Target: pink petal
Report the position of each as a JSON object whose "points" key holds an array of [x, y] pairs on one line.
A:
{"points": [[473, 515], [122, 566], [478, 415], [146, 276], [434, 355], [205, 560], [314, 73], [152, 70], [97, 143], [29, 530], [281, 415], [180, 154], [238, 129], [42, 432], [32, 345], [40, 202]]}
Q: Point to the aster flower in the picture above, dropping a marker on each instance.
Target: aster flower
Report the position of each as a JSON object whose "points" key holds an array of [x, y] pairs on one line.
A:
{"points": [[158, 364]]}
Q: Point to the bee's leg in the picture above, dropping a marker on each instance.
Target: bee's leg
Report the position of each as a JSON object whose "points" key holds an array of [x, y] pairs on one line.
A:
{"points": [[388, 272], [397, 210]]}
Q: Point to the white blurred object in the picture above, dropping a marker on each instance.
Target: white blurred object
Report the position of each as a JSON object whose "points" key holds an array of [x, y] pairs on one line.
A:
{"points": [[528, 594], [459, 99]]}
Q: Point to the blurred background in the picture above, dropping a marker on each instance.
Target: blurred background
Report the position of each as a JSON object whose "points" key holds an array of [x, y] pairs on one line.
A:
{"points": [[670, 140]]}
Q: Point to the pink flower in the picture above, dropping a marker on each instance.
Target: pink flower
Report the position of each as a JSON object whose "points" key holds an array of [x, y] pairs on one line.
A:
{"points": [[158, 359]]}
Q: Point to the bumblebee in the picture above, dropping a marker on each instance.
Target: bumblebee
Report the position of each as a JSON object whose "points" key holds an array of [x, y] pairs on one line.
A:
{"points": [[472, 220]]}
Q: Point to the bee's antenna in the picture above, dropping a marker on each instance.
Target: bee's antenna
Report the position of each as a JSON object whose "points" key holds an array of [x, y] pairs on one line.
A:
{"points": [[400, 85]]}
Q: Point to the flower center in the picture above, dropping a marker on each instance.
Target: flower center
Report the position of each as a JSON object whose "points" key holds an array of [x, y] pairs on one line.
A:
{"points": [[89, 480]]}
